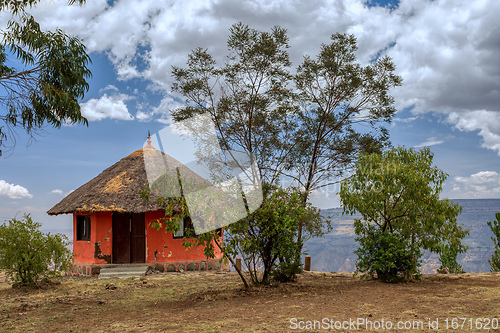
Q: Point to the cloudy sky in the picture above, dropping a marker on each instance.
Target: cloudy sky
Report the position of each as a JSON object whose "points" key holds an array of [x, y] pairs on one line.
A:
{"points": [[445, 50]]}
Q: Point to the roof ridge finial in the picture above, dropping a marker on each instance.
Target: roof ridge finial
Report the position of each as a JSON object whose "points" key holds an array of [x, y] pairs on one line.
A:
{"points": [[149, 141]]}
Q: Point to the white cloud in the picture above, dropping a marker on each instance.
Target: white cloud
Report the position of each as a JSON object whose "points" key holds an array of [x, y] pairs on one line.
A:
{"points": [[142, 116], [109, 87], [487, 123], [162, 112], [326, 197], [13, 191], [484, 184], [429, 142], [445, 50], [57, 191], [405, 120], [112, 107]]}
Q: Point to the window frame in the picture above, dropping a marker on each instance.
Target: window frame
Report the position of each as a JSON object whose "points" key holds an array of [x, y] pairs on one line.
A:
{"points": [[83, 225], [186, 224]]}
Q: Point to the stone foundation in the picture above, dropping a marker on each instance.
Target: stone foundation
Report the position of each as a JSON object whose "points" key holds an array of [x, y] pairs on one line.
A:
{"points": [[82, 269]]}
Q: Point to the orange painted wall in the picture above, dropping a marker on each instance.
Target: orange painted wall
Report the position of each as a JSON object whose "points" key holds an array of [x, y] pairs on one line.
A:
{"points": [[101, 232], [104, 236], [169, 249]]}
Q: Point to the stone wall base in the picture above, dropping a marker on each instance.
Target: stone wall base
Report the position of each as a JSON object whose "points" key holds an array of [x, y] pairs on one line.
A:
{"points": [[82, 269]]}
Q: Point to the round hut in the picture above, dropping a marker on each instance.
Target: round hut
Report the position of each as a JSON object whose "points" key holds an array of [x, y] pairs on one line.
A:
{"points": [[112, 223]]}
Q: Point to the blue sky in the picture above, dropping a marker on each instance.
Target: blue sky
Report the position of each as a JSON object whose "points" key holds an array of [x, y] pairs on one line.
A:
{"points": [[446, 52]]}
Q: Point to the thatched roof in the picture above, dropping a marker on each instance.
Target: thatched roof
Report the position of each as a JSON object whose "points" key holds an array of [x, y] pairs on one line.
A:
{"points": [[117, 188]]}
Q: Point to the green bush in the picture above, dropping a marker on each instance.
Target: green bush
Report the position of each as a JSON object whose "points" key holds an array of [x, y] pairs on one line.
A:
{"points": [[387, 255], [267, 239], [26, 253], [398, 191], [495, 258], [448, 258]]}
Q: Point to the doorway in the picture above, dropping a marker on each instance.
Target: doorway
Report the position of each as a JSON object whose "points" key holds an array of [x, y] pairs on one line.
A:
{"points": [[129, 238]]}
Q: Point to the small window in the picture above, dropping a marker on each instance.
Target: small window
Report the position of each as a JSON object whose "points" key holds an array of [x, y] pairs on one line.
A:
{"points": [[83, 227], [184, 226], [180, 232]]}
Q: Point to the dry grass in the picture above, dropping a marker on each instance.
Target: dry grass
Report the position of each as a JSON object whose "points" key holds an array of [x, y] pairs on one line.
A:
{"points": [[213, 302]]}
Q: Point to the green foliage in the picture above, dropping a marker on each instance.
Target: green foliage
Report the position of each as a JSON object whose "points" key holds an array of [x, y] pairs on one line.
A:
{"points": [[299, 126], [448, 259], [26, 253], [248, 98], [176, 210], [388, 255], [267, 239], [290, 122], [495, 258], [335, 93], [52, 78], [398, 192]]}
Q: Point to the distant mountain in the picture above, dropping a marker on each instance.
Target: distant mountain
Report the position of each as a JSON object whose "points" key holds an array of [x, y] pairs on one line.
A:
{"points": [[334, 252]]}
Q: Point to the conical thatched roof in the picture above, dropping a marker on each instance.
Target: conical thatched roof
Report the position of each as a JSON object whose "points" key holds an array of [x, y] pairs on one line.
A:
{"points": [[117, 188]]}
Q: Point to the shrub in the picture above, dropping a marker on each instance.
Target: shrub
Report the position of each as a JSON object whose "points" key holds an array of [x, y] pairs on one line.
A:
{"points": [[398, 192], [26, 253], [388, 255], [495, 258], [448, 258], [268, 238]]}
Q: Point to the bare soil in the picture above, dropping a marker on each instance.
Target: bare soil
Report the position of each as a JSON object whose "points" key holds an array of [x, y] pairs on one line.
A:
{"points": [[216, 302]]}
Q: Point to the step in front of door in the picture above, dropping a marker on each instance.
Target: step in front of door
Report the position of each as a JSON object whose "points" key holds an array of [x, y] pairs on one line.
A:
{"points": [[123, 272]]}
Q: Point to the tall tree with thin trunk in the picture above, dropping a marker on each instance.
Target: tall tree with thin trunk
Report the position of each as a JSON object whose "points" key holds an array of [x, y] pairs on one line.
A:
{"points": [[309, 126], [342, 103], [248, 97]]}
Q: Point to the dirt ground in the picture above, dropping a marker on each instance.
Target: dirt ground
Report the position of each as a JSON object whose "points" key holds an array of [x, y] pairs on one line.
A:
{"points": [[216, 302]]}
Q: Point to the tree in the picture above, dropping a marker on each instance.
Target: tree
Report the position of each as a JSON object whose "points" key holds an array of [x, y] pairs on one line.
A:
{"points": [[267, 239], [301, 126], [248, 98], [448, 259], [398, 192], [386, 254], [336, 96], [495, 258], [176, 210], [263, 238], [26, 253], [51, 78]]}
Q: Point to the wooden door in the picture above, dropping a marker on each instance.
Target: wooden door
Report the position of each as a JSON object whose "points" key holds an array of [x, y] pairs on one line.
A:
{"points": [[121, 238], [129, 238], [138, 238]]}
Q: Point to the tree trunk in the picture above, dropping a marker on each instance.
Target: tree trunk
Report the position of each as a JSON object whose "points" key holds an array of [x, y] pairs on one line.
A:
{"points": [[234, 264]]}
